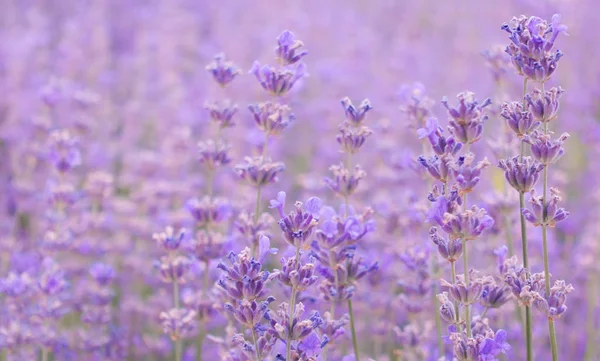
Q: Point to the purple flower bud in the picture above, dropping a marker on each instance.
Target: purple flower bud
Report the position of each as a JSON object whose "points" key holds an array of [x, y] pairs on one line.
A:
{"points": [[245, 279], [250, 231], [52, 280], [209, 245], [213, 154], [447, 309], [174, 269], [466, 120], [250, 313], [498, 61], [288, 50], [277, 81], [102, 273], [520, 121], [438, 168], [259, 171], [544, 107], [271, 118], [354, 116], [523, 174], [467, 174], [222, 113], [333, 328], [223, 71], [208, 210], [450, 250], [467, 225], [548, 214], [544, 149], [523, 286], [16, 285], [493, 295], [463, 293], [352, 138], [344, 181], [297, 276], [178, 323], [169, 240], [298, 225], [554, 305], [63, 151], [294, 329]]}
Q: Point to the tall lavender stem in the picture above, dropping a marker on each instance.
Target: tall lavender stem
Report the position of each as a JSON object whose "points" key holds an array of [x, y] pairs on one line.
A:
{"points": [[178, 342], [551, 327], [288, 344], [353, 330], [528, 325]]}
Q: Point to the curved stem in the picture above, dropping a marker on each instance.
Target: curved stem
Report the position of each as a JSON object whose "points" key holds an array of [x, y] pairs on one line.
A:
{"points": [[255, 344], [178, 341], [353, 330], [456, 308], [466, 273]]}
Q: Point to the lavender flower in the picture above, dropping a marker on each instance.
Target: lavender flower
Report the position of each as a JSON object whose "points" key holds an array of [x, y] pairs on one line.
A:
{"points": [[352, 138], [344, 181], [221, 113], [64, 151], [450, 250], [544, 107], [288, 50], [463, 293], [270, 117], [223, 71], [298, 225], [355, 116], [553, 305], [545, 214], [259, 171], [544, 149], [466, 120], [178, 323], [521, 174], [466, 173], [467, 225], [208, 210], [213, 154], [519, 120], [277, 81], [169, 240]]}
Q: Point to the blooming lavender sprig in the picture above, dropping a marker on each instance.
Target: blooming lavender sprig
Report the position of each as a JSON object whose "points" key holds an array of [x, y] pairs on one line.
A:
{"points": [[222, 70], [289, 49], [466, 120]]}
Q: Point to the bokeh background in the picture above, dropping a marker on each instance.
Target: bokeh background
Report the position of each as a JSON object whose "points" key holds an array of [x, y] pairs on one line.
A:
{"points": [[141, 65]]}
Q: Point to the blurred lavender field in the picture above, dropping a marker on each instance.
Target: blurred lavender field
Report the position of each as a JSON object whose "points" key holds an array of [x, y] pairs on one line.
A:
{"points": [[299, 180]]}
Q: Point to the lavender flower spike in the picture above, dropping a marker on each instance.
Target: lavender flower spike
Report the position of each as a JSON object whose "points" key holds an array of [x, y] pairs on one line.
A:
{"points": [[356, 116], [288, 50], [466, 120], [521, 174], [545, 214], [544, 149], [277, 81], [223, 71]]}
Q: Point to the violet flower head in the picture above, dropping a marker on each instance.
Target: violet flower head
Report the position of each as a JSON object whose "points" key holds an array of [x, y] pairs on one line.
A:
{"points": [[16, 284], [544, 107], [544, 149], [345, 181], [523, 286], [298, 225], [545, 214], [63, 150], [532, 40], [467, 174], [209, 245], [102, 273], [442, 146], [174, 268], [447, 309], [251, 232], [485, 346], [169, 240], [333, 328], [355, 116], [208, 210], [297, 276], [259, 171], [249, 313], [468, 225], [416, 105], [245, 278], [278, 81], [494, 295], [449, 249], [289, 49], [271, 117], [554, 305], [521, 174], [296, 328], [178, 323], [52, 281], [520, 121], [497, 61], [463, 293], [467, 118], [213, 154], [352, 138], [221, 113], [223, 71]]}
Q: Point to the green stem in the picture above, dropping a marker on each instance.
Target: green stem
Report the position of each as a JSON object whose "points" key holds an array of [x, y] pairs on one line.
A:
{"points": [[255, 344], [466, 274], [456, 308], [353, 330], [45, 354], [178, 341], [292, 307], [256, 213], [438, 319], [590, 350], [553, 343]]}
